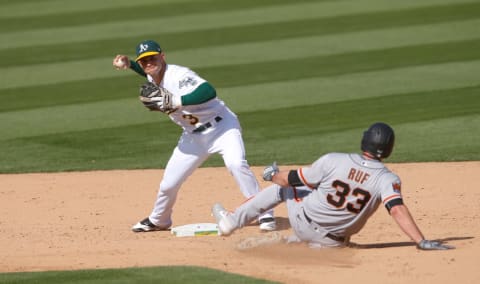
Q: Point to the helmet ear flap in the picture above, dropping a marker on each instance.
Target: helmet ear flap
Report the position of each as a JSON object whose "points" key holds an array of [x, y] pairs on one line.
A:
{"points": [[378, 140]]}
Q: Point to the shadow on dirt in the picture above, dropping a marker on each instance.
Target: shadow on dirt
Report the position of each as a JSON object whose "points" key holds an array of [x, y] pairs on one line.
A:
{"points": [[402, 244]]}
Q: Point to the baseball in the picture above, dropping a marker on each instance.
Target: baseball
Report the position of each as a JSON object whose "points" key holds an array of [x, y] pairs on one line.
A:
{"points": [[119, 63]]}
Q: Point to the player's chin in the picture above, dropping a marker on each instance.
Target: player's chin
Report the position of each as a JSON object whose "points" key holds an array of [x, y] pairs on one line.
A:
{"points": [[152, 70]]}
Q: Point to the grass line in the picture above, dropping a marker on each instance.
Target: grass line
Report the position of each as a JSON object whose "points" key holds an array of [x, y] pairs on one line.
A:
{"points": [[149, 10], [100, 148], [402, 108], [163, 274], [106, 41], [242, 75], [348, 63], [56, 112]]}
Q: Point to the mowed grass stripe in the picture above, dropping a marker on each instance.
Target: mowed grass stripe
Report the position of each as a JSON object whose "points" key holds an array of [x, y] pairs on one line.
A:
{"points": [[85, 91], [335, 116], [280, 70], [87, 8], [450, 139], [324, 66], [112, 147], [148, 10], [53, 116], [290, 48], [54, 73], [247, 53], [352, 86], [30, 8], [55, 119], [287, 48], [153, 274], [288, 21], [33, 8]]}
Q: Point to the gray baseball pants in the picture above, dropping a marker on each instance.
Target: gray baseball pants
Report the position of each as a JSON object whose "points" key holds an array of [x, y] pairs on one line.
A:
{"points": [[268, 198]]}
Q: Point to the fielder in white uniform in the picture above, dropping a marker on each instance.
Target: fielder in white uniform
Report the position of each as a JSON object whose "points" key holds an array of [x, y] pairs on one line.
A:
{"points": [[333, 198], [209, 126]]}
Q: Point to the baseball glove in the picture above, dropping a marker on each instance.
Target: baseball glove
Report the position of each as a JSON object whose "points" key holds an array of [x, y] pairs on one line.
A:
{"points": [[155, 98]]}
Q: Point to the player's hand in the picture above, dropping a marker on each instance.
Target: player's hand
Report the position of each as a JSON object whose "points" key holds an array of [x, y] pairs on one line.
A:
{"points": [[433, 245], [121, 62], [270, 171]]}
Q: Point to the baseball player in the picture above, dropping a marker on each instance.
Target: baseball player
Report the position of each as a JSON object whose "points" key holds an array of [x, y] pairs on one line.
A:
{"points": [[332, 199], [209, 126]]}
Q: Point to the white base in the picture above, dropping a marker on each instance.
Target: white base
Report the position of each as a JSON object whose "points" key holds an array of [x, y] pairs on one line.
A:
{"points": [[194, 230]]}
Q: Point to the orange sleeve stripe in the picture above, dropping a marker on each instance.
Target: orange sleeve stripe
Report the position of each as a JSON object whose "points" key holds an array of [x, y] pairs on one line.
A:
{"points": [[295, 195], [300, 174], [245, 201], [248, 199], [392, 197]]}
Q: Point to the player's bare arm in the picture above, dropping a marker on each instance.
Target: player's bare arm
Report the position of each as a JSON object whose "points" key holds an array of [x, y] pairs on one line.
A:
{"points": [[404, 219], [283, 178]]}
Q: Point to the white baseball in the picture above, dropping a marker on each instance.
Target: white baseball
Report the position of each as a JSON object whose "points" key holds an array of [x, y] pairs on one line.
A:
{"points": [[120, 63]]}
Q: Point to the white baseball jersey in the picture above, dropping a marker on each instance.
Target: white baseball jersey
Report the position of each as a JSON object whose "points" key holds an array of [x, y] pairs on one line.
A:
{"points": [[182, 81], [347, 191], [220, 133]]}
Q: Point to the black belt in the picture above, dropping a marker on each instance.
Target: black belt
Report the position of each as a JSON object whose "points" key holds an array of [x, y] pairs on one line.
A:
{"points": [[328, 235], [205, 126]]}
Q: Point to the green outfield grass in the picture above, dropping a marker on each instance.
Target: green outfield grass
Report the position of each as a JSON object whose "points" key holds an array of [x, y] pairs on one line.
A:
{"points": [[305, 78], [168, 274]]}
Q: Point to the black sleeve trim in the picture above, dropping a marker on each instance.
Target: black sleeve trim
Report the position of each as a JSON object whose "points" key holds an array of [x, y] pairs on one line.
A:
{"points": [[294, 179], [392, 203]]}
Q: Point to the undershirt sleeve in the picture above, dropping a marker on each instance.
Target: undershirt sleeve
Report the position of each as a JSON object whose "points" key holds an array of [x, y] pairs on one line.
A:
{"points": [[392, 203], [136, 67], [201, 94], [294, 179]]}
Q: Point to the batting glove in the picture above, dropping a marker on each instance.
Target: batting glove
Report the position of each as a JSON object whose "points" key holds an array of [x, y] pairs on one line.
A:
{"points": [[433, 245], [270, 171]]}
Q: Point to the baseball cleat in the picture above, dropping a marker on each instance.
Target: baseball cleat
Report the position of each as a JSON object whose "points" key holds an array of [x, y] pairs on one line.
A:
{"points": [[146, 226], [267, 224], [225, 225]]}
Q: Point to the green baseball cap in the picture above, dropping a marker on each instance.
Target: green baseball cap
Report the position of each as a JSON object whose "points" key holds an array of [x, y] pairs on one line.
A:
{"points": [[147, 48]]}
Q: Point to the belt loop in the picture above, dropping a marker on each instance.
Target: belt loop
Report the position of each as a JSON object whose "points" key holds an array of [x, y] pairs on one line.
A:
{"points": [[207, 125], [328, 235]]}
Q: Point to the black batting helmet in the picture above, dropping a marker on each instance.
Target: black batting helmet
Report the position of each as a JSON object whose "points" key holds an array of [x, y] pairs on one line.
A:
{"points": [[378, 140]]}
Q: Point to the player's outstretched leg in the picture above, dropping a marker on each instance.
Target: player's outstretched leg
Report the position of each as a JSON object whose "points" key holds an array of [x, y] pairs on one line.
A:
{"points": [[264, 201], [222, 217], [233, 153]]}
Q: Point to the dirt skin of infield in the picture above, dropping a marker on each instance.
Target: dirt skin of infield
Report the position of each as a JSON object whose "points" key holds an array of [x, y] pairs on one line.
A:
{"points": [[82, 220]]}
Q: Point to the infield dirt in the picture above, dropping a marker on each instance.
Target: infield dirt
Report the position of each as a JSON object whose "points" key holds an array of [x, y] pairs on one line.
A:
{"points": [[82, 220]]}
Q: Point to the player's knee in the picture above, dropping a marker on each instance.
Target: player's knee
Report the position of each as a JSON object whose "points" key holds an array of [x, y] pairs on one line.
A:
{"points": [[166, 186], [237, 165]]}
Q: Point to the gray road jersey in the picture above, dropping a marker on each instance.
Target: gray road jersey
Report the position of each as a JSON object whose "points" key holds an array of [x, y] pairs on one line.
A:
{"points": [[347, 190]]}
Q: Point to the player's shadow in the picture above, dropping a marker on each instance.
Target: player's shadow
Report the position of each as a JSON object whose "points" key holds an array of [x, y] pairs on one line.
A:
{"points": [[402, 244]]}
